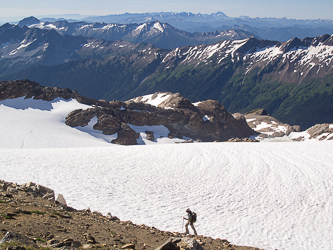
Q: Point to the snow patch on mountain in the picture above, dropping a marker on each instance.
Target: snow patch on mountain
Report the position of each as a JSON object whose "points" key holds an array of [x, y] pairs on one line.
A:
{"points": [[110, 26], [85, 27], [266, 54], [22, 45], [203, 53], [274, 126], [139, 29], [158, 26], [160, 135], [47, 26], [153, 99], [320, 53]]}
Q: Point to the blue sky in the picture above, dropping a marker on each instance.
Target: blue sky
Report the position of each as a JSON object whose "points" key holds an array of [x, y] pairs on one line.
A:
{"points": [[298, 9]]}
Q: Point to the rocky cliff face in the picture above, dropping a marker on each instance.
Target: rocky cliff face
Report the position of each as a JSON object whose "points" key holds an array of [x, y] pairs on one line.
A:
{"points": [[204, 121]]}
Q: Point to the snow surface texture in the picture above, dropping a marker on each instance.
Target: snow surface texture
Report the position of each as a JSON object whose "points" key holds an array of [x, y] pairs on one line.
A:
{"points": [[266, 195]]}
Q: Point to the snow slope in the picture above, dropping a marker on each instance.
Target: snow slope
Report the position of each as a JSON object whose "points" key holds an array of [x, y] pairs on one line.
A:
{"points": [[274, 195], [28, 123]]}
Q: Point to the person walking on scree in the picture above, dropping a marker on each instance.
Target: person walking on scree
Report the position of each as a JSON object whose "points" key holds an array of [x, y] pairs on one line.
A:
{"points": [[190, 221]]}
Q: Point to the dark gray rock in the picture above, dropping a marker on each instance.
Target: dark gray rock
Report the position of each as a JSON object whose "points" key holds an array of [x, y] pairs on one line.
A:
{"points": [[150, 135]]}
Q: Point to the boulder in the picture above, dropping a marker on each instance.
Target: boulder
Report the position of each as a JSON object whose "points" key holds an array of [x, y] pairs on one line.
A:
{"points": [[186, 243], [44, 190], [128, 246], [126, 136], [90, 239], [150, 135], [297, 128], [263, 135], [278, 134], [61, 199]]}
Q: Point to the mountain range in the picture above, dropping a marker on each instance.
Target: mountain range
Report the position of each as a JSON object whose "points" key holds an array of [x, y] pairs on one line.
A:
{"points": [[278, 29], [292, 80], [162, 35]]}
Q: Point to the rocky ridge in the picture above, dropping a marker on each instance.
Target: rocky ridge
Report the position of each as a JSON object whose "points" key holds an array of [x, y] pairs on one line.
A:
{"points": [[31, 217], [161, 34], [207, 121]]}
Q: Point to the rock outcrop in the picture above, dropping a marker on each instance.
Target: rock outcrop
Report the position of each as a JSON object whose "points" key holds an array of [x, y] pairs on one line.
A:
{"points": [[268, 126], [320, 131], [207, 121]]}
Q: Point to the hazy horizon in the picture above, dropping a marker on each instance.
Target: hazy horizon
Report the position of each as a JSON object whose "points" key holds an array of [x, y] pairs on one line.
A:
{"points": [[321, 9]]}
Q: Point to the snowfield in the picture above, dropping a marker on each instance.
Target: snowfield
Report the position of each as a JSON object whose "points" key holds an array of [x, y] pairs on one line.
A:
{"points": [[273, 195]]}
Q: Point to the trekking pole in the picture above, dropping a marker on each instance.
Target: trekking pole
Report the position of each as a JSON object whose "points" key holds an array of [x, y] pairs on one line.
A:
{"points": [[182, 226]]}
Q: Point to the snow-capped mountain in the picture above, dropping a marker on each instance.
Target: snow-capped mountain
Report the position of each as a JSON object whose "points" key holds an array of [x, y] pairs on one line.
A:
{"points": [[160, 34], [294, 61], [282, 77], [21, 48]]}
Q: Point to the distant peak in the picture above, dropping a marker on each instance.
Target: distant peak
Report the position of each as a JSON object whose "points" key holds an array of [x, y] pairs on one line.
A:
{"points": [[28, 21], [220, 13]]}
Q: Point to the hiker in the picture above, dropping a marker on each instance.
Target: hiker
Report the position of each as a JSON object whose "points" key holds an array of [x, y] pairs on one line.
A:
{"points": [[190, 220]]}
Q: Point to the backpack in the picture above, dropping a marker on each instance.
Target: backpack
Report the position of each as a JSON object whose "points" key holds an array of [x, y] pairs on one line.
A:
{"points": [[194, 217]]}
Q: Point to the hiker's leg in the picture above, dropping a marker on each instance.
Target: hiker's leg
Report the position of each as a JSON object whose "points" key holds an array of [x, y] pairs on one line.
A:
{"points": [[186, 227], [195, 232]]}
